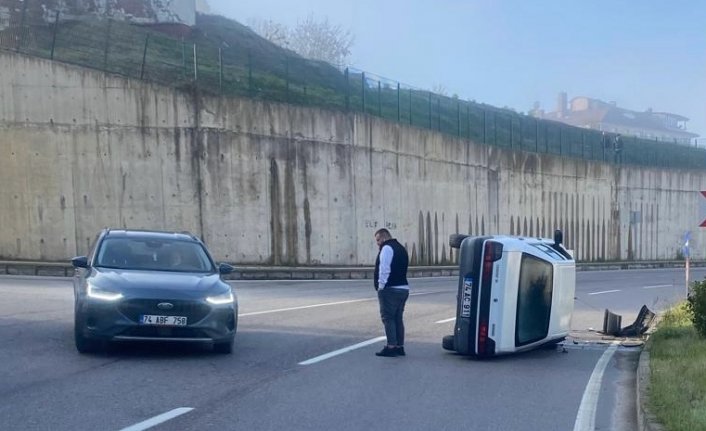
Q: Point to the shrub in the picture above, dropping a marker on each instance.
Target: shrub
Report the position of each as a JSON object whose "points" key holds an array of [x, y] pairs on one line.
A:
{"points": [[696, 303]]}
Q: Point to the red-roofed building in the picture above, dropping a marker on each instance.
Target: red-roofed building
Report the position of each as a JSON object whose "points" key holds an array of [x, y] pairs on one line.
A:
{"points": [[596, 114]]}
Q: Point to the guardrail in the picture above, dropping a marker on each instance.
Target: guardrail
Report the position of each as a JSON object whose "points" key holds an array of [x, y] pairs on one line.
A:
{"points": [[249, 272]]}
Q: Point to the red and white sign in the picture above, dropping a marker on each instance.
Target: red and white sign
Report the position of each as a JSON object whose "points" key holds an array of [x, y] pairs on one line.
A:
{"points": [[702, 209]]}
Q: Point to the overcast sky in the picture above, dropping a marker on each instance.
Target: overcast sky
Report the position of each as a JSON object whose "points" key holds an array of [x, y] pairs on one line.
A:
{"points": [[639, 53]]}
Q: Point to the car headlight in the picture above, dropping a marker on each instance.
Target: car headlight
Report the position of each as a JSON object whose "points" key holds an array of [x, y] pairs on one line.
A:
{"points": [[103, 294], [223, 298]]}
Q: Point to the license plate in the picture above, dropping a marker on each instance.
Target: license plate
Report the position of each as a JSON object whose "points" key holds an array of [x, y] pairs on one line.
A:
{"points": [[150, 319]]}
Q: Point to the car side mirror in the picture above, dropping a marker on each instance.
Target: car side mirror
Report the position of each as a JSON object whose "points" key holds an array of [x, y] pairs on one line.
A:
{"points": [[225, 268], [80, 262]]}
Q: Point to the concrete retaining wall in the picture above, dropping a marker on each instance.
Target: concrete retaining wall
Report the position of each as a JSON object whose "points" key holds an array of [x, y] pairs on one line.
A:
{"points": [[275, 184]]}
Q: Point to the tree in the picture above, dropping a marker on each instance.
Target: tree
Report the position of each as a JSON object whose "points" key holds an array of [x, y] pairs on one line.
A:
{"points": [[274, 32], [310, 38]]}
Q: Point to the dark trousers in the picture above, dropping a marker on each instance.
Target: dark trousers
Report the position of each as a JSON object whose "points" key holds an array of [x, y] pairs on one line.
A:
{"points": [[392, 303]]}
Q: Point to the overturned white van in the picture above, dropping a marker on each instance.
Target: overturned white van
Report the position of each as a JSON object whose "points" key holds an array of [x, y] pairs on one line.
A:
{"points": [[514, 294]]}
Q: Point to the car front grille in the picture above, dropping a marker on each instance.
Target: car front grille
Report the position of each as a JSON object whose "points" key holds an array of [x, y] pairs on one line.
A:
{"points": [[193, 311]]}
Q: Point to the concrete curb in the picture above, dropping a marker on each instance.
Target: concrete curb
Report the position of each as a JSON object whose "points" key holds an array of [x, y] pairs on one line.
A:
{"points": [[64, 269], [646, 421]]}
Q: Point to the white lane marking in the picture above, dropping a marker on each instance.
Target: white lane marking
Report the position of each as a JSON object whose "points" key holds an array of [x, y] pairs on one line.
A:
{"points": [[341, 351], [605, 291], [303, 307], [658, 286], [586, 417], [149, 423], [445, 320]]}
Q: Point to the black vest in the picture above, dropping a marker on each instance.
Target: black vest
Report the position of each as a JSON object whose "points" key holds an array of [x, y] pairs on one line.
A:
{"points": [[398, 267]]}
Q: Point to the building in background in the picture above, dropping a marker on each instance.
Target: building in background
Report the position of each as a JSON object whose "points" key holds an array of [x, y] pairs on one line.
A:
{"points": [[596, 114]]}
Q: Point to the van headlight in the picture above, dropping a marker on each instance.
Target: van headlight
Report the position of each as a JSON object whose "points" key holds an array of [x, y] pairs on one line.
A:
{"points": [[96, 292], [223, 298]]}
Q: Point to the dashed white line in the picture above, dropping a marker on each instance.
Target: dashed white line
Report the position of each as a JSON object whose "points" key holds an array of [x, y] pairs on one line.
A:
{"points": [[605, 291], [658, 286], [586, 417], [304, 307], [341, 351], [149, 423], [446, 320]]}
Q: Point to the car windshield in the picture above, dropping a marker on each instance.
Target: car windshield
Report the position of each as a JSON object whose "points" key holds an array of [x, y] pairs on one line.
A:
{"points": [[153, 254]]}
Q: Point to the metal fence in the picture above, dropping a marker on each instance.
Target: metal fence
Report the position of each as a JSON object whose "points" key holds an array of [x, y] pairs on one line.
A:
{"points": [[197, 61]]}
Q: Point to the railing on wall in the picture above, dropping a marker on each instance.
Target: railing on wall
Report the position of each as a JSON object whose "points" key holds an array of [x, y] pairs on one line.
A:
{"points": [[141, 52]]}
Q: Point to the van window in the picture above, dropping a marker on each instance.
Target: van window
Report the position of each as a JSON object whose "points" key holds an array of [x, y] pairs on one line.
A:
{"points": [[534, 300]]}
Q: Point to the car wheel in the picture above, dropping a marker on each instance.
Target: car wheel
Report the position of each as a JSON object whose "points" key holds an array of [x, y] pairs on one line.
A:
{"points": [[448, 343], [83, 344], [225, 347]]}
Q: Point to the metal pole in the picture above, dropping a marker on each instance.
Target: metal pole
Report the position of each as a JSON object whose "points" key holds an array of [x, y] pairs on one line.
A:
{"points": [[485, 125], [410, 106], [144, 57], [53, 39]]}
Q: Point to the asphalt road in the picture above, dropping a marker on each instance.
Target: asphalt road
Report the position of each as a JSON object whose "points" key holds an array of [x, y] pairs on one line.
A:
{"points": [[46, 385]]}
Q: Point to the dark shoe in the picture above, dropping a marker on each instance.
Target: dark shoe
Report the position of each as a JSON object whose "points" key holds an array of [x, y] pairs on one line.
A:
{"points": [[389, 352], [400, 351]]}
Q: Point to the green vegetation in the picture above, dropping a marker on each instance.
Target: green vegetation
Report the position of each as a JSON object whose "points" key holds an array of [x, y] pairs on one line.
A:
{"points": [[224, 57], [678, 364]]}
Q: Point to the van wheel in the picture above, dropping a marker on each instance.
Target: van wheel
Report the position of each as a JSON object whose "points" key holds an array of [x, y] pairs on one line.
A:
{"points": [[456, 239], [448, 343]]}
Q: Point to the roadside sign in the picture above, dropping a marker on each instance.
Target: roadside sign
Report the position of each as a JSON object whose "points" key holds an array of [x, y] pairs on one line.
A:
{"points": [[702, 209]]}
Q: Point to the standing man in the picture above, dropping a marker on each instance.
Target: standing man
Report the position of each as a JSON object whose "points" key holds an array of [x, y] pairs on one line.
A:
{"points": [[393, 290]]}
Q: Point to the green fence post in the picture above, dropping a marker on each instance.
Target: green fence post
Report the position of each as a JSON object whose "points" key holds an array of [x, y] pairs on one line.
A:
{"points": [[53, 38], [286, 76], [19, 38], [362, 87], [348, 90], [106, 44], [398, 102], [379, 99], [144, 57], [458, 117], [183, 57], [250, 86], [430, 110], [512, 133], [536, 135], [438, 113], [196, 65], [220, 70]]}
